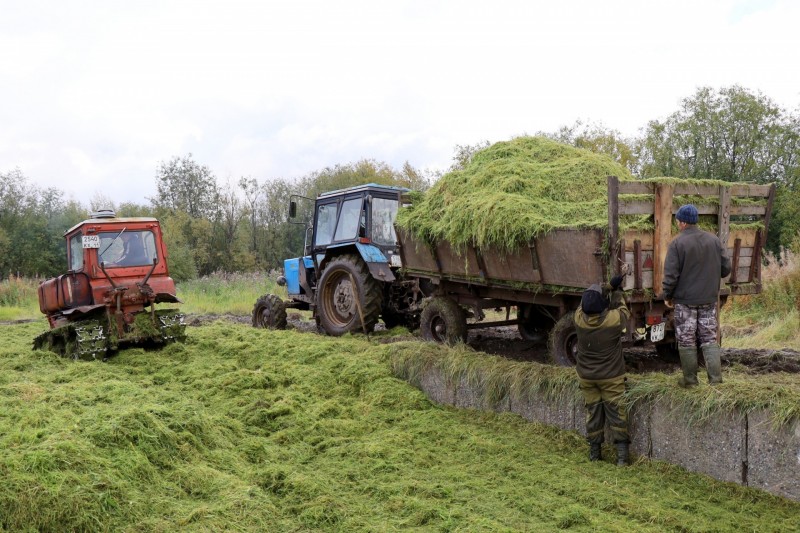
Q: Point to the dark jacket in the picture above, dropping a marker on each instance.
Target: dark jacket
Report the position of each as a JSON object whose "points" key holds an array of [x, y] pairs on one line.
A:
{"points": [[695, 263], [600, 340]]}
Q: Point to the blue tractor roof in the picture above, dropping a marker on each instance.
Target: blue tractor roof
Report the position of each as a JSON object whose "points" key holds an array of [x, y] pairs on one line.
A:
{"points": [[359, 188]]}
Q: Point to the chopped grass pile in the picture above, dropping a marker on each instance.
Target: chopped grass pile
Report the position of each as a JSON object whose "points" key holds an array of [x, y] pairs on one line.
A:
{"points": [[243, 429], [513, 191], [516, 190]]}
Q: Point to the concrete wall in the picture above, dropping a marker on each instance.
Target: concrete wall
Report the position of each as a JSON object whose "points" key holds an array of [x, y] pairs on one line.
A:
{"points": [[742, 448]]}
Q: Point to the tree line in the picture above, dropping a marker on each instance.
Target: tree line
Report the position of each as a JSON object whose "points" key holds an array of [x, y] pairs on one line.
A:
{"points": [[730, 134]]}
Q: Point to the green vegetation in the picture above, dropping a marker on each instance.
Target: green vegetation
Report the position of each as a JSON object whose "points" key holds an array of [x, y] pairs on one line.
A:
{"points": [[256, 430], [226, 293], [770, 319], [19, 299]]}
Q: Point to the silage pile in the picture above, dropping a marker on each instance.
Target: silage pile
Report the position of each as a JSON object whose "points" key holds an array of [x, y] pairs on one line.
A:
{"points": [[513, 191]]}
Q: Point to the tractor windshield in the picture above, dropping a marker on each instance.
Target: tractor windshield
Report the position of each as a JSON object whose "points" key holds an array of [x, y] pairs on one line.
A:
{"points": [[349, 220], [384, 211], [128, 248]]}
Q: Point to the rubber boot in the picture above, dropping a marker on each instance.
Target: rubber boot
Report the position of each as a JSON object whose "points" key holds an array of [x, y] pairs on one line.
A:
{"points": [[712, 354], [594, 452], [622, 454], [689, 367]]}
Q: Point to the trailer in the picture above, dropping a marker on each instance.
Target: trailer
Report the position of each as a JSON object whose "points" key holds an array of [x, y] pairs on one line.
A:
{"points": [[543, 280]]}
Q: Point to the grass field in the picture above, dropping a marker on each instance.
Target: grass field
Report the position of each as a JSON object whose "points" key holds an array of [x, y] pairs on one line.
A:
{"points": [[252, 430], [769, 319], [18, 299], [227, 293]]}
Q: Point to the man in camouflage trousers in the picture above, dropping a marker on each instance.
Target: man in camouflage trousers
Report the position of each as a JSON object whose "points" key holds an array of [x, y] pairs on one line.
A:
{"points": [[601, 367], [695, 263]]}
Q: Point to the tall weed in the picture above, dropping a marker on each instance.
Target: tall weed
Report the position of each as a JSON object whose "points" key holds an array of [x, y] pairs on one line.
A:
{"points": [[770, 318], [18, 291], [225, 292], [18, 298]]}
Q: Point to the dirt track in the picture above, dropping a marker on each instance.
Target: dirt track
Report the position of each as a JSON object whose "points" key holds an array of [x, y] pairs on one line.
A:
{"points": [[505, 341]]}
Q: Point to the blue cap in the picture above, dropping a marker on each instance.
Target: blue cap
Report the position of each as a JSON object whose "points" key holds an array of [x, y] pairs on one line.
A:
{"points": [[687, 213]]}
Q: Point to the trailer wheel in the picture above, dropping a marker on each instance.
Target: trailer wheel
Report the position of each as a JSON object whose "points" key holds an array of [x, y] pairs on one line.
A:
{"points": [[346, 285], [564, 341], [443, 321], [269, 313], [535, 322]]}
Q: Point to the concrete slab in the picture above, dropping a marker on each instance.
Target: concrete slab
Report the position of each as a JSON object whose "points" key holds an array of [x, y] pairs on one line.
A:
{"points": [[716, 447], [538, 408], [470, 396], [639, 429], [729, 447], [773, 456], [436, 388]]}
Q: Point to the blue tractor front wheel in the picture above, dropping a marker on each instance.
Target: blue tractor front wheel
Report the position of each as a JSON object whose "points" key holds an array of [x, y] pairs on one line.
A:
{"points": [[269, 313]]}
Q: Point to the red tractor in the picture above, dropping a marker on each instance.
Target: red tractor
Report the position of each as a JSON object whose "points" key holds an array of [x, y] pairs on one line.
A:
{"points": [[117, 269]]}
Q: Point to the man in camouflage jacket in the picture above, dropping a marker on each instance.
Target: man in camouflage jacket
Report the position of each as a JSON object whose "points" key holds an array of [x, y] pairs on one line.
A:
{"points": [[601, 367]]}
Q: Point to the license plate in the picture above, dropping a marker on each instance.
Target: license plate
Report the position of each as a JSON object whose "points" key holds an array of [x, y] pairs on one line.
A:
{"points": [[91, 241], [657, 332]]}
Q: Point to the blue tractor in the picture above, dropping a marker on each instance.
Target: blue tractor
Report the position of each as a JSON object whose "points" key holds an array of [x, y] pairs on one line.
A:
{"points": [[349, 274]]}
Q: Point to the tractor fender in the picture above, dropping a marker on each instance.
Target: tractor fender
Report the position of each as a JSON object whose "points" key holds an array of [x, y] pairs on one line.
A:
{"points": [[375, 259]]}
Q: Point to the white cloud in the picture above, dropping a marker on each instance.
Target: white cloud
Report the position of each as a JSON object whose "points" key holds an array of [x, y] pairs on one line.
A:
{"points": [[95, 96]]}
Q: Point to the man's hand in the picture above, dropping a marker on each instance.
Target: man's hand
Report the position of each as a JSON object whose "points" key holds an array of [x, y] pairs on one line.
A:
{"points": [[616, 282]]}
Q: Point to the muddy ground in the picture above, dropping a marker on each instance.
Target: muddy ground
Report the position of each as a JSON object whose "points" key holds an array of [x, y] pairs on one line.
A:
{"points": [[506, 342]]}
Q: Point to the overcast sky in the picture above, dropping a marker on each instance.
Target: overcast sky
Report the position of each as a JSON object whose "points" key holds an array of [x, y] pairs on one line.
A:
{"points": [[95, 94]]}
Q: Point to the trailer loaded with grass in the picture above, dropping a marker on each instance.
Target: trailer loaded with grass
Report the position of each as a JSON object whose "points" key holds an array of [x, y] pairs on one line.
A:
{"points": [[528, 224]]}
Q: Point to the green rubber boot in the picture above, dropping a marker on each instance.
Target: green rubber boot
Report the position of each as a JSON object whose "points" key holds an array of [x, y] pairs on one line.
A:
{"points": [[689, 366], [712, 354]]}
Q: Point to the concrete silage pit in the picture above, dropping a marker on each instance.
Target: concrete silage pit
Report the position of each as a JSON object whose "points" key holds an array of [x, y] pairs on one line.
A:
{"points": [[749, 449], [743, 448]]}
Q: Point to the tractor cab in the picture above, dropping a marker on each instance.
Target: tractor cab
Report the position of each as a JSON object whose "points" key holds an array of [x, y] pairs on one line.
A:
{"points": [[357, 220]]}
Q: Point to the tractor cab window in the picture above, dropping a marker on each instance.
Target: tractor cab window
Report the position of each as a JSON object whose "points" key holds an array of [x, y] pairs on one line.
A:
{"points": [[326, 223], [76, 252], [349, 220], [127, 248], [384, 211]]}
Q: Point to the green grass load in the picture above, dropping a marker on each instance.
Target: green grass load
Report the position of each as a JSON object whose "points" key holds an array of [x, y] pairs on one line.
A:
{"points": [[516, 190]]}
